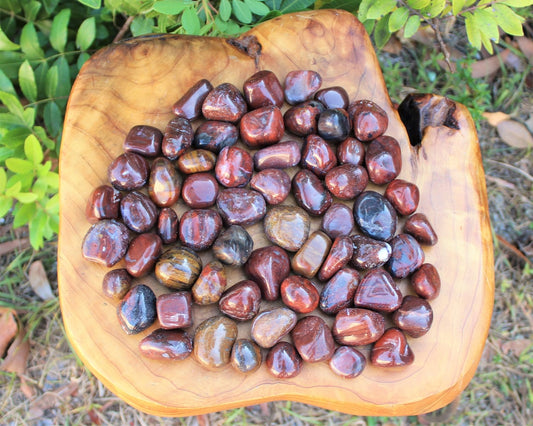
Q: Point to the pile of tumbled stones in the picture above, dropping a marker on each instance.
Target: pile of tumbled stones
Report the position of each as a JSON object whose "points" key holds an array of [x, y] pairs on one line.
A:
{"points": [[338, 147]]}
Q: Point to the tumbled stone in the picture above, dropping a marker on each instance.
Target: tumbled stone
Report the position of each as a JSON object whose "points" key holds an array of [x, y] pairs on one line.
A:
{"points": [[116, 283], [233, 246], [174, 345], [377, 290], [241, 301], [268, 267], [383, 160], [269, 327], [391, 350], [347, 362], [312, 339], [339, 291], [200, 190], [426, 281], [144, 140], [279, 156], [234, 167], [128, 171], [283, 361], [106, 242], [369, 253], [224, 103], [403, 195], [302, 119], [178, 268], [239, 206], [164, 185], [318, 156], [174, 310], [351, 151], [333, 97], [189, 105], [406, 257], [197, 161], [287, 226], [215, 135], [199, 228], [338, 221], [142, 254], [138, 211], [104, 203], [310, 192], [301, 85], [309, 258], [263, 89], [167, 225], [414, 317], [245, 356], [262, 127], [177, 138], [210, 284], [137, 310], [419, 227], [273, 184], [358, 327], [346, 181], [213, 341], [369, 120], [299, 294], [334, 125], [339, 255], [375, 215]]}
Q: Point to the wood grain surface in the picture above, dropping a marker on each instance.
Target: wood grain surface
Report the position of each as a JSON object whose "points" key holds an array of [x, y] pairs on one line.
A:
{"points": [[136, 82]]}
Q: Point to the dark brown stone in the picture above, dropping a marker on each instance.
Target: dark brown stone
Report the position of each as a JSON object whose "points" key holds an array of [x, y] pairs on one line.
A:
{"points": [[189, 105], [234, 167], [268, 267], [334, 125], [346, 181], [142, 254], [375, 215], [164, 185], [245, 356], [333, 97], [174, 310], [369, 120], [378, 291], [358, 327], [215, 135], [351, 151], [338, 221], [269, 327], [283, 361], [239, 206], [302, 119], [233, 246], [137, 310], [174, 345], [279, 156], [391, 350], [104, 203], [287, 226], [310, 192], [144, 140], [309, 258], [369, 253], [426, 281], [241, 301], [167, 225], [116, 283], [213, 341], [414, 317], [178, 268], [406, 257], [338, 293], [403, 195], [224, 103], [106, 242], [273, 184], [138, 211], [197, 161], [210, 284], [347, 362], [318, 156], [200, 190], [263, 89], [383, 160], [419, 227], [262, 127], [301, 85], [177, 138], [199, 228], [312, 339], [299, 294], [128, 171], [338, 257]]}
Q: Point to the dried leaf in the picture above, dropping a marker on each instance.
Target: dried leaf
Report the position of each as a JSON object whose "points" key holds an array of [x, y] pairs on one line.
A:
{"points": [[27, 389], [93, 415], [529, 123], [515, 134], [489, 65], [39, 281], [495, 118], [18, 244], [516, 346], [515, 62], [51, 399], [17, 354], [8, 328], [526, 46], [393, 46]]}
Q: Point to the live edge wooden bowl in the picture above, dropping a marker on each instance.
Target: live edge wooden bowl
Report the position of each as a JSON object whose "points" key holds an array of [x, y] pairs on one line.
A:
{"points": [[136, 82]]}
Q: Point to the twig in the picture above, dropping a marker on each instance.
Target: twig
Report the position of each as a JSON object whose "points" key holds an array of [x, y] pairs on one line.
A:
{"points": [[123, 30], [442, 45], [508, 166]]}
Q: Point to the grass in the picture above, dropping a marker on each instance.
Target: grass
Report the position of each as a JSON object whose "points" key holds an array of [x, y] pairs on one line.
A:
{"points": [[501, 391]]}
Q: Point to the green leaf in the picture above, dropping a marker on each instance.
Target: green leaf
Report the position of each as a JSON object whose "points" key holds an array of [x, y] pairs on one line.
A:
{"points": [[33, 150], [434, 8], [50, 84], [10, 63], [12, 103], [50, 5], [31, 9], [289, 6], [141, 25], [381, 32], [52, 205], [26, 197], [86, 34], [7, 120], [224, 10], [36, 228], [518, 3], [52, 180], [52, 118], [5, 205], [363, 10], [84, 57], [27, 81], [242, 12], [369, 25], [508, 20], [418, 4], [5, 83], [18, 165], [29, 42], [398, 18], [63, 77], [29, 117], [5, 43], [24, 215], [93, 4], [257, 7], [457, 6], [40, 79], [170, 7], [58, 33], [411, 26], [3, 180], [472, 31], [380, 8], [487, 24], [43, 137], [190, 21], [13, 189]]}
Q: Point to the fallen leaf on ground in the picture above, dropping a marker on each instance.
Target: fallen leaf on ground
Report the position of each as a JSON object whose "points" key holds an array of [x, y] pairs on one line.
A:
{"points": [[39, 281], [27, 389], [51, 399], [516, 346], [515, 134], [393, 46], [93, 415], [18, 244], [489, 65], [18, 351], [495, 118], [515, 62], [8, 328], [526, 46]]}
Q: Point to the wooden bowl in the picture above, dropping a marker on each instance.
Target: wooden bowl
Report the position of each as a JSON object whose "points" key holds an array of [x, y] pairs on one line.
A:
{"points": [[136, 82]]}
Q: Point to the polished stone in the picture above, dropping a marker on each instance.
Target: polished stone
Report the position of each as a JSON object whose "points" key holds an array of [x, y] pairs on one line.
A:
{"points": [[312, 339], [406, 257], [283, 361], [174, 310], [369, 120], [269, 327], [215, 135], [128, 171], [233, 246], [377, 290], [273, 184], [287, 226], [426, 281], [262, 89], [144, 140], [346, 181], [245, 356], [241, 301], [369, 253], [419, 227], [309, 258], [189, 105], [210, 284], [164, 184], [137, 310], [106, 242], [138, 211], [174, 345], [142, 254], [167, 225], [234, 167], [391, 350], [403, 195], [200, 190], [262, 127], [414, 317], [178, 138], [301, 85], [338, 221], [339, 255], [116, 283], [375, 216], [347, 362], [268, 267], [178, 268], [239, 206], [318, 156], [279, 156], [224, 103], [310, 192], [199, 228], [299, 294], [358, 327], [197, 161], [104, 203], [339, 291], [213, 342], [383, 160]]}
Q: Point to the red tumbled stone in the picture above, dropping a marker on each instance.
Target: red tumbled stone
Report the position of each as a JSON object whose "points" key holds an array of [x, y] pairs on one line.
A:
{"points": [[339, 255], [318, 156], [142, 254], [174, 310], [234, 167], [301, 85], [224, 103], [189, 105], [144, 140], [391, 350], [369, 120], [103, 203], [426, 281], [346, 181], [299, 294], [262, 127], [403, 195], [312, 339], [200, 190], [263, 89], [419, 227], [377, 290], [199, 228], [383, 160]]}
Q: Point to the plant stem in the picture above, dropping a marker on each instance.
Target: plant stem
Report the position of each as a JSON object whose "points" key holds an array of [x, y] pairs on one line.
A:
{"points": [[123, 30]]}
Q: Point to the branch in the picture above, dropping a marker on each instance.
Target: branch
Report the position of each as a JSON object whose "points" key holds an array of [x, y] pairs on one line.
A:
{"points": [[123, 30]]}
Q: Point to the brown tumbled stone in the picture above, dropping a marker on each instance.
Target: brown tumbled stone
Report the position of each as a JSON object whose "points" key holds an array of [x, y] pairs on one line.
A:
{"points": [[174, 310], [301, 85], [239, 206], [128, 171], [137, 311], [241, 301], [200, 190], [210, 284], [351, 151], [174, 345], [213, 341], [391, 350], [375, 215], [312, 339], [245, 356], [138, 211], [287, 226], [346, 181], [215, 135], [196, 161], [116, 283], [279, 156], [339, 255], [318, 156], [358, 327], [233, 246], [178, 268], [263, 89], [164, 185], [299, 294], [369, 253], [167, 225], [309, 258], [302, 119], [310, 192], [106, 242], [419, 227], [333, 97], [269, 327], [224, 103], [369, 120], [426, 281]]}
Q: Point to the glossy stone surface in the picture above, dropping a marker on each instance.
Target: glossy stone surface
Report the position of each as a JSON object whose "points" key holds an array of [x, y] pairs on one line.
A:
{"points": [[138, 212], [162, 344], [178, 138], [339, 291], [312, 339], [358, 327], [245, 356], [233, 246], [309, 258], [199, 228], [310, 192], [262, 127], [383, 160], [301, 85], [403, 195], [268, 267], [333, 97], [351, 151], [239, 206], [334, 125], [346, 181], [347, 362], [210, 284], [197, 161], [302, 119], [369, 253], [406, 257], [234, 167], [167, 225], [279, 156], [189, 105], [391, 350], [116, 283], [299, 294], [339, 255], [338, 221], [287, 226], [377, 290], [215, 135], [144, 140], [419, 227], [137, 310], [174, 310], [200, 190], [106, 242], [414, 317], [262, 89], [142, 254], [273, 184], [178, 268], [128, 171], [241, 301], [426, 281], [213, 341], [164, 185], [375, 216], [369, 120], [318, 156], [224, 103], [104, 203], [269, 327], [283, 361]]}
